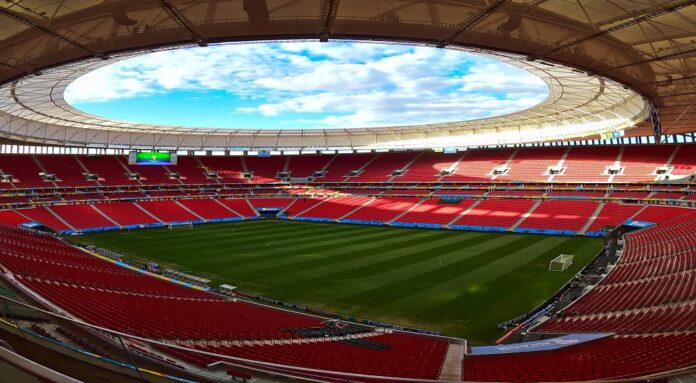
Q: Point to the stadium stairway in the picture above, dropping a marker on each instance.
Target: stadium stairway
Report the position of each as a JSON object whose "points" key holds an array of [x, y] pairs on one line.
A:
{"points": [[334, 208], [563, 215], [303, 167], [125, 213], [300, 208], [383, 210], [380, 169], [450, 168], [357, 208], [190, 211], [588, 164], [239, 205], [593, 217], [147, 212], [12, 217], [340, 167], [46, 217], [228, 208], [411, 208], [452, 364], [105, 216], [471, 205], [406, 168], [525, 216], [560, 164], [617, 163], [495, 213], [81, 217], [207, 209]]}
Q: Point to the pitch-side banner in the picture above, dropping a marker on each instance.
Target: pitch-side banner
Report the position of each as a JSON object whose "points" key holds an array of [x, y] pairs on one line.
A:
{"points": [[539, 345]]}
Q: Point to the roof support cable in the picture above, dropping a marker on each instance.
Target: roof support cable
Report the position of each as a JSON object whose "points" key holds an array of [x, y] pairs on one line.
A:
{"points": [[471, 22], [30, 23], [183, 22], [328, 17]]}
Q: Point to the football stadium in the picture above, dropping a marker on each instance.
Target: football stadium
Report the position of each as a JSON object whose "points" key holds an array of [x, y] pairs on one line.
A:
{"points": [[347, 191]]}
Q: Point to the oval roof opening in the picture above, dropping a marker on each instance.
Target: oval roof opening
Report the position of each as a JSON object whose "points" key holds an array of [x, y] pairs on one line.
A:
{"points": [[305, 85]]}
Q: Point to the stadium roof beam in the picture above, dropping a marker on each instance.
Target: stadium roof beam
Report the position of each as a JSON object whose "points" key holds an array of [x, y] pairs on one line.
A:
{"points": [[668, 81], [652, 13], [655, 121], [471, 22], [662, 38], [677, 94], [183, 22], [32, 24], [328, 16], [630, 15], [681, 54], [26, 72]]}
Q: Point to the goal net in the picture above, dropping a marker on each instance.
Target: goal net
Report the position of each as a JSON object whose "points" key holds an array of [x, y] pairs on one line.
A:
{"points": [[179, 225], [561, 262]]}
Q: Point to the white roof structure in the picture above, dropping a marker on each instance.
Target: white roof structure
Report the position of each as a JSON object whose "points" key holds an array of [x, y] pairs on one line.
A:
{"points": [[578, 105], [608, 64]]}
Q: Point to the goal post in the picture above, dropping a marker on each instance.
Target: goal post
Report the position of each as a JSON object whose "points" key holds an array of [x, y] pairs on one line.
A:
{"points": [[561, 262], [179, 225]]}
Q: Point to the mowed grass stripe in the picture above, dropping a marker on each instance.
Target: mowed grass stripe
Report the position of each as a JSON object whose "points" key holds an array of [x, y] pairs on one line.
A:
{"points": [[264, 233], [217, 242], [431, 260], [476, 280], [462, 283], [523, 276], [342, 257], [288, 286], [331, 292], [474, 309], [392, 260], [395, 289], [302, 255], [456, 298], [256, 230], [254, 251]]}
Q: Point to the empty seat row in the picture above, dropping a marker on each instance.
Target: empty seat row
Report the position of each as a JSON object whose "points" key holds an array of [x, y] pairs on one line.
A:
{"points": [[637, 163]]}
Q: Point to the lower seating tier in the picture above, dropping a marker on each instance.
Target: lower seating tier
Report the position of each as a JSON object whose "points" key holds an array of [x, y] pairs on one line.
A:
{"points": [[616, 358], [498, 214], [105, 294]]}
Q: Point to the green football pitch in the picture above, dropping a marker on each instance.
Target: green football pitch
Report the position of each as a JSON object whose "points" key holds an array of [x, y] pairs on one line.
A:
{"points": [[460, 283]]}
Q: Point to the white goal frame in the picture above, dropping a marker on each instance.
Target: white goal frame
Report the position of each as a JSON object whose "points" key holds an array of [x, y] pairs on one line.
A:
{"points": [[561, 263], [172, 226]]}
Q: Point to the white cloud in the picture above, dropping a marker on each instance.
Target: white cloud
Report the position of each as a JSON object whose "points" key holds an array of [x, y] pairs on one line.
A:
{"points": [[500, 77], [341, 84]]}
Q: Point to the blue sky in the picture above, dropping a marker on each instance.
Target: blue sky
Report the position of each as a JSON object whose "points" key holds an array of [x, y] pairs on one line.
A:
{"points": [[305, 85]]}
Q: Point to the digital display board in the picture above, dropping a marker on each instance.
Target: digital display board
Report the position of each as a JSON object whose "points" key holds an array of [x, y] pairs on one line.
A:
{"points": [[151, 158]]}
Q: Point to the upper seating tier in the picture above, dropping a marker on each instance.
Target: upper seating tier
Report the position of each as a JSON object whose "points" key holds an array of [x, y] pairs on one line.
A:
{"points": [[578, 164]]}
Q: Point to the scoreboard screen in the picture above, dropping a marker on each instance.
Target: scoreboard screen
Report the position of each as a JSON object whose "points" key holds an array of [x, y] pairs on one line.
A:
{"points": [[151, 158]]}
